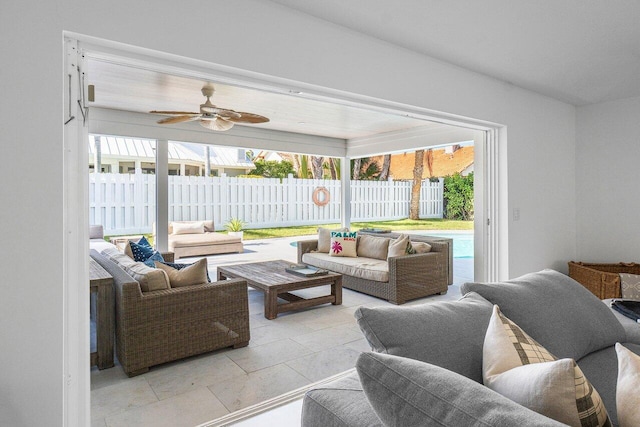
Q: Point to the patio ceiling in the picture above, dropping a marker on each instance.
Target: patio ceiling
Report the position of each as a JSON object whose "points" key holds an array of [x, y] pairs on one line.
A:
{"points": [[126, 88]]}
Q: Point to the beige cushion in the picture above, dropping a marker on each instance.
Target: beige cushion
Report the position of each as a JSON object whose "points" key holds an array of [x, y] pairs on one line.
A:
{"points": [[150, 279], [421, 247], [344, 244], [324, 238], [627, 388], [205, 239], [630, 286], [208, 225], [398, 247], [195, 274], [516, 366], [363, 268], [188, 227], [373, 247], [96, 232]]}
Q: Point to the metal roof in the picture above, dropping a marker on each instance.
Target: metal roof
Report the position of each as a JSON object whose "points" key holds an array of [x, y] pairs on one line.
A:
{"points": [[122, 147]]}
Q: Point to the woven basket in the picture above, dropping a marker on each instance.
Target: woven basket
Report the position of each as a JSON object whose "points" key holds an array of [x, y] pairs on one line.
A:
{"points": [[603, 280]]}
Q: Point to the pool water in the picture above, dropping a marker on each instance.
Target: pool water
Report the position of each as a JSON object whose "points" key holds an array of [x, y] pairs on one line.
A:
{"points": [[462, 242]]}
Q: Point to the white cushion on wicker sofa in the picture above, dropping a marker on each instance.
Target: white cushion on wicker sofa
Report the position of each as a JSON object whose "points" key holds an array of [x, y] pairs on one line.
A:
{"points": [[205, 239], [361, 267]]}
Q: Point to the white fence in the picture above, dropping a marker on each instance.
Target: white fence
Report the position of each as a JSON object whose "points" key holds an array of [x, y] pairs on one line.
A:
{"points": [[125, 203]]}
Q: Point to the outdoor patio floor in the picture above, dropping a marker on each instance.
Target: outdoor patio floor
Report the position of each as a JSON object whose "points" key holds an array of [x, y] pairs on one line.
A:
{"points": [[292, 351]]}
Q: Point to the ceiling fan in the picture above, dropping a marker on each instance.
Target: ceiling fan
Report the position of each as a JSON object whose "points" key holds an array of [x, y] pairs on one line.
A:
{"points": [[210, 116]]}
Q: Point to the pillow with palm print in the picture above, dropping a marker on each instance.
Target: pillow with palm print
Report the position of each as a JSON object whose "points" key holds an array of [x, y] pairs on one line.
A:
{"points": [[343, 243]]}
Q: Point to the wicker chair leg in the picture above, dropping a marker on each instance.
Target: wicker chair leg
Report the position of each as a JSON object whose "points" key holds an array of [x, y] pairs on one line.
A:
{"points": [[241, 344], [137, 372]]}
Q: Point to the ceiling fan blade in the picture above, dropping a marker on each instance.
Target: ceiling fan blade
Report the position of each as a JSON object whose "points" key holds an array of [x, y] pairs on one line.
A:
{"points": [[248, 118], [215, 123], [179, 119], [172, 113]]}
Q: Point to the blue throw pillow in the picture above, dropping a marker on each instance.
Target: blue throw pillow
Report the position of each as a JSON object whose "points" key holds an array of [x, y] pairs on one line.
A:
{"points": [[179, 266], [141, 251], [144, 242], [155, 256]]}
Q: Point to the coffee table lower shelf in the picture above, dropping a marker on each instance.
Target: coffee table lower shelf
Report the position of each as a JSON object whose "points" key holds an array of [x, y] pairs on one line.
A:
{"points": [[274, 282]]}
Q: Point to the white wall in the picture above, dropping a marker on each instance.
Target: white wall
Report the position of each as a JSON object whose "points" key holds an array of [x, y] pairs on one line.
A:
{"points": [[252, 35], [607, 179]]}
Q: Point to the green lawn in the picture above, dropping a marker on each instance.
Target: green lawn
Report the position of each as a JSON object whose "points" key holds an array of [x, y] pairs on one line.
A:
{"points": [[403, 224]]}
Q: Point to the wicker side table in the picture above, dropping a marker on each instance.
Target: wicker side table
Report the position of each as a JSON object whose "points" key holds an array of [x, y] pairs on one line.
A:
{"points": [[101, 283]]}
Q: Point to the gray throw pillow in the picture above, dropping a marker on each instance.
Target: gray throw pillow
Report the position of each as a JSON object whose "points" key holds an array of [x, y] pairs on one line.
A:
{"points": [[555, 310], [406, 392], [447, 334]]}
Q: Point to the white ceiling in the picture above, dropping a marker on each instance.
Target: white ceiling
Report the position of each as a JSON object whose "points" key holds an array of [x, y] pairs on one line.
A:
{"points": [[577, 51], [123, 87]]}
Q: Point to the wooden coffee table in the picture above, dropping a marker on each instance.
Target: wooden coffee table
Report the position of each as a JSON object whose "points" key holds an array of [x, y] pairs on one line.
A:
{"points": [[271, 278]]}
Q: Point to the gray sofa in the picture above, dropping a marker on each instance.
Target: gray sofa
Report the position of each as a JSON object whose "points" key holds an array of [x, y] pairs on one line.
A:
{"points": [[426, 368]]}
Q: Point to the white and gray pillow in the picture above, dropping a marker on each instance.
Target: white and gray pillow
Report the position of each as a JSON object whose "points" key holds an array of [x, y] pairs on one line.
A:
{"points": [[630, 286], [518, 367]]}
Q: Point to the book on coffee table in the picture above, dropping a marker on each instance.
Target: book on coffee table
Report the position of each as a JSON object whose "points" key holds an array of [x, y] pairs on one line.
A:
{"points": [[305, 270]]}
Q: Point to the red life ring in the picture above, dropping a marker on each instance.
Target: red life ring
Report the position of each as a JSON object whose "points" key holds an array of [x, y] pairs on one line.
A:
{"points": [[326, 196]]}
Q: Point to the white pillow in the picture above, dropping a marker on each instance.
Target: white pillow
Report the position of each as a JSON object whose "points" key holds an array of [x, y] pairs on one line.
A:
{"points": [[627, 402], [188, 227], [343, 243], [516, 366]]}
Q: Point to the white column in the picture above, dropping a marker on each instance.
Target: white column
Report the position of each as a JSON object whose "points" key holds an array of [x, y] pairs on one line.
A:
{"points": [[162, 195], [207, 161], [97, 155], [345, 192]]}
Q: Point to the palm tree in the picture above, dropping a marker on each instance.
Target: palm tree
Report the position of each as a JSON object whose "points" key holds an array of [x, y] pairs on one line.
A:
{"points": [[364, 169], [316, 167], [414, 210], [304, 167], [331, 166], [386, 165], [430, 162], [355, 168]]}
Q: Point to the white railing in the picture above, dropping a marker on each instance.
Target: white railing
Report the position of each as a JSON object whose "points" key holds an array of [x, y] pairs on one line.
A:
{"points": [[125, 203]]}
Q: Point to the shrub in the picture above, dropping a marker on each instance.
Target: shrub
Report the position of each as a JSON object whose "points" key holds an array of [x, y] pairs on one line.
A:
{"points": [[458, 197]]}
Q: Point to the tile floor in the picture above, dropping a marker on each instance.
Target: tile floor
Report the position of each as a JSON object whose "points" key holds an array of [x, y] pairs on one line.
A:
{"points": [[292, 351]]}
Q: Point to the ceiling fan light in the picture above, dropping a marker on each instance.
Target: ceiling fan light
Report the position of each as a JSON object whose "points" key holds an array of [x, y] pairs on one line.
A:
{"points": [[216, 124]]}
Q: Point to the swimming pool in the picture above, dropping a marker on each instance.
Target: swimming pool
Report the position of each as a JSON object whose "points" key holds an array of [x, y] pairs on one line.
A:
{"points": [[462, 242]]}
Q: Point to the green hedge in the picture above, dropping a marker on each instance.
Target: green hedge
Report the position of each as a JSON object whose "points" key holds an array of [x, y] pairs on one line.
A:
{"points": [[458, 197]]}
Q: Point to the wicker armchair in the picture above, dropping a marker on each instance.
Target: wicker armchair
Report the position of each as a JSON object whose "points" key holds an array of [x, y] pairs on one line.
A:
{"points": [[410, 276], [162, 326]]}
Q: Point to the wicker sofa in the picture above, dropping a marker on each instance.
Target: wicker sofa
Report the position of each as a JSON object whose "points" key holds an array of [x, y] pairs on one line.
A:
{"points": [[603, 280], [160, 326], [402, 278]]}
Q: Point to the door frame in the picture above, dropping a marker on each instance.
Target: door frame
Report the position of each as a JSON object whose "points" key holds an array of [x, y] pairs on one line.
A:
{"points": [[491, 227]]}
